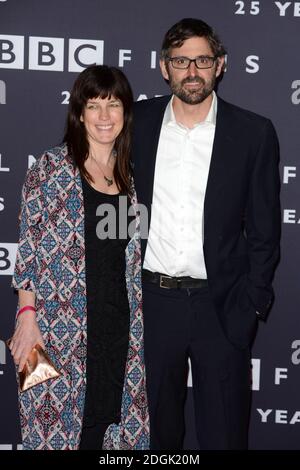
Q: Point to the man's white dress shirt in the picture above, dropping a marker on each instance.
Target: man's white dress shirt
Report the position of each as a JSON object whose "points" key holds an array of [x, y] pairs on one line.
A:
{"points": [[175, 242]]}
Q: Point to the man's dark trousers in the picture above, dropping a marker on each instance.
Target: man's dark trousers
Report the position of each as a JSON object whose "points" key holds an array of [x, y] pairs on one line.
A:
{"points": [[220, 371]]}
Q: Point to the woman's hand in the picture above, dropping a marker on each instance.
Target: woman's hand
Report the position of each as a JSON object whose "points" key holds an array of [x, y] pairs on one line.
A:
{"points": [[27, 334]]}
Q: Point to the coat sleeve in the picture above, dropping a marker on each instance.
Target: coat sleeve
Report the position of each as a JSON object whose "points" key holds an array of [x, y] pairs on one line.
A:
{"points": [[263, 221], [30, 223]]}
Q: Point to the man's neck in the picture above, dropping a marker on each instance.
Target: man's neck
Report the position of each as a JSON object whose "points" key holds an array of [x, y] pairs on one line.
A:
{"points": [[191, 114]]}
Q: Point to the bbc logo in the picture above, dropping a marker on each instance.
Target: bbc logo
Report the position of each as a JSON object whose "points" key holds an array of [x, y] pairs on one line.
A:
{"points": [[8, 252], [48, 53]]}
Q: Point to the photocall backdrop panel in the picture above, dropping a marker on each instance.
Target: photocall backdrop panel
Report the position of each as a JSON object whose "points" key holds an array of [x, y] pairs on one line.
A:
{"points": [[43, 47]]}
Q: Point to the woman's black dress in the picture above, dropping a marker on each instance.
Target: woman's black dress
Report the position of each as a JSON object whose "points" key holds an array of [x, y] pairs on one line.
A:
{"points": [[107, 314]]}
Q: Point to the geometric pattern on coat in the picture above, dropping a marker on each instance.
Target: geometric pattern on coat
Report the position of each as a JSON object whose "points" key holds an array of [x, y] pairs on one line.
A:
{"points": [[51, 263]]}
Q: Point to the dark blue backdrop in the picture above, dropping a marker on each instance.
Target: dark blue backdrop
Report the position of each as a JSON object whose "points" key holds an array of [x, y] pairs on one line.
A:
{"points": [[42, 45]]}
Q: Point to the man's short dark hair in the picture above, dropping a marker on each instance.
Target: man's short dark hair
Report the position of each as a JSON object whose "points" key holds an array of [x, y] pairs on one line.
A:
{"points": [[188, 28]]}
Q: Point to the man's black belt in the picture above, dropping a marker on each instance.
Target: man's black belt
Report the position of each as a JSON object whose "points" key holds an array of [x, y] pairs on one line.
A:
{"points": [[168, 282]]}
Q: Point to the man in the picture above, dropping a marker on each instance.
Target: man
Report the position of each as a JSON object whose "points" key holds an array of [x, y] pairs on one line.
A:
{"points": [[208, 173]]}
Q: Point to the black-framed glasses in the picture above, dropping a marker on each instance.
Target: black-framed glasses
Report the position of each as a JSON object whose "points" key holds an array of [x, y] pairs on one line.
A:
{"points": [[201, 62]]}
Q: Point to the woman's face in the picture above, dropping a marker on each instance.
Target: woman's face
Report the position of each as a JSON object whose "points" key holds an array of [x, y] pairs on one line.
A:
{"points": [[103, 119]]}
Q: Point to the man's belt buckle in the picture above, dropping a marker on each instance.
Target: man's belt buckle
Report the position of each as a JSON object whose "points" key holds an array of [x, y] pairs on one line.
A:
{"points": [[161, 280]]}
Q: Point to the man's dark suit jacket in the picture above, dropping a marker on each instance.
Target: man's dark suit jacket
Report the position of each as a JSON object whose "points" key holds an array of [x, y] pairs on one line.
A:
{"points": [[241, 209]]}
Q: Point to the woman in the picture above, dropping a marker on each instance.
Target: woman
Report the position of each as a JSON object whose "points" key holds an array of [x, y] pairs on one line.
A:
{"points": [[79, 289]]}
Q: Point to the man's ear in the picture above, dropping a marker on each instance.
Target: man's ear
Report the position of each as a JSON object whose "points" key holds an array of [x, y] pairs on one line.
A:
{"points": [[164, 70], [220, 65]]}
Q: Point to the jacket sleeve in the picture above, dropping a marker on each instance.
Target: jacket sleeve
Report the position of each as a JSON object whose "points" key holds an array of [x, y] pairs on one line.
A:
{"points": [[263, 221], [30, 219]]}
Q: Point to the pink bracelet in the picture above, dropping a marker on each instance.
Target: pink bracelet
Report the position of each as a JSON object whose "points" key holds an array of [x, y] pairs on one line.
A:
{"points": [[24, 309]]}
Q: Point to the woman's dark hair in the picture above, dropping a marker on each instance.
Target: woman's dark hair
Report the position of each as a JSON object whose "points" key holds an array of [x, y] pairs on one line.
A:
{"points": [[100, 81], [188, 28]]}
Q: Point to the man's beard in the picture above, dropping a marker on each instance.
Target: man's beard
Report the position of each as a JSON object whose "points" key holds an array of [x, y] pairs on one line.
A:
{"points": [[195, 96]]}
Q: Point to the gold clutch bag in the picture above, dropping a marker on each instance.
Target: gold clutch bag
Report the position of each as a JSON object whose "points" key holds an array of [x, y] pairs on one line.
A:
{"points": [[38, 368]]}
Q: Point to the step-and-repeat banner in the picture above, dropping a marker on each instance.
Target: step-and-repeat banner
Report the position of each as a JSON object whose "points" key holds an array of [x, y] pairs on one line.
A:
{"points": [[45, 44]]}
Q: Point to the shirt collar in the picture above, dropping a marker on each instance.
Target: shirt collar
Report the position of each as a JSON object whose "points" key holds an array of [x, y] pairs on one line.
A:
{"points": [[211, 118]]}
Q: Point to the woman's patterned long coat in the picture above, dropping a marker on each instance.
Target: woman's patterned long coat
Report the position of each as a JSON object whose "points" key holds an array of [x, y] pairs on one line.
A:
{"points": [[51, 263]]}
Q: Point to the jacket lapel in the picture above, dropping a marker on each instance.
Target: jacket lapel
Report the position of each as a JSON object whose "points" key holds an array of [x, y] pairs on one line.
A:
{"points": [[148, 144], [223, 150]]}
